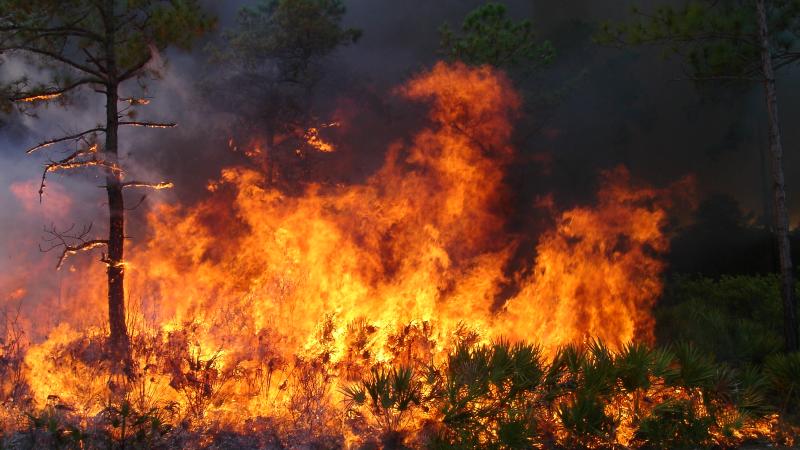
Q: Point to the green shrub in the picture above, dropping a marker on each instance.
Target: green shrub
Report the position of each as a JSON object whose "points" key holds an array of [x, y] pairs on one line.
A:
{"points": [[119, 426], [738, 319], [783, 375]]}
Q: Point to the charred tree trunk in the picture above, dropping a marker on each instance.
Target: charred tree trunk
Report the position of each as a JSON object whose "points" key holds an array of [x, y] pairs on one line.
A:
{"points": [[116, 236], [779, 210], [120, 344]]}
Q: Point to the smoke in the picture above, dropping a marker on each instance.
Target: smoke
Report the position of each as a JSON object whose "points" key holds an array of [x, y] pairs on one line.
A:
{"points": [[612, 107]]}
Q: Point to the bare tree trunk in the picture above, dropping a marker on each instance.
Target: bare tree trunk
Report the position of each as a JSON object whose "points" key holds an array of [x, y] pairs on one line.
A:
{"points": [[116, 206], [780, 213], [766, 189]]}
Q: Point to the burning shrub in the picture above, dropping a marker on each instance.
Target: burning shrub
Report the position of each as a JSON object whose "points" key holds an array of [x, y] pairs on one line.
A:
{"points": [[132, 428], [488, 384], [390, 394], [56, 426], [310, 403], [501, 395], [14, 392], [674, 424], [506, 396]]}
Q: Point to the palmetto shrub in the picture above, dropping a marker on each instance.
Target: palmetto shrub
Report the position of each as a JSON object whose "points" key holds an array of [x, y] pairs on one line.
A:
{"points": [[736, 318], [509, 396], [782, 373]]}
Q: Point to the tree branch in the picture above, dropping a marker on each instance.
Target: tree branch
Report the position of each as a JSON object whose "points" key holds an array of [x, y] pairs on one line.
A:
{"points": [[49, 94], [139, 203], [135, 68], [72, 162], [149, 124], [73, 137], [144, 184], [85, 246], [57, 57], [94, 60], [784, 59], [56, 31], [719, 78], [133, 101], [71, 243]]}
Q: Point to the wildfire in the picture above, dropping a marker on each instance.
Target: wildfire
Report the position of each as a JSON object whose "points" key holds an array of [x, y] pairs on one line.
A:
{"points": [[598, 272], [41, 97], [157, 186], [257, 285], [315, 141]]}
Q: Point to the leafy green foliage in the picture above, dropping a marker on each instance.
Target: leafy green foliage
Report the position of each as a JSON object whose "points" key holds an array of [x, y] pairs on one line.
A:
{"points": [[291, 34], [132, 428], [636, 363], [71, 39], [277, 49], [751, 398], [743, 40], [585, 418], [390, 395], [674, 424], [48, 428], [735, 318], [716, 39], [122, 426], [593, 378], [783, 374], [490, 383], [694, 368], [487, 36]]}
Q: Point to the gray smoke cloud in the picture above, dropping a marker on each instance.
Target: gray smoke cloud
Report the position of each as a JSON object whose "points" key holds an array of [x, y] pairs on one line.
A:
{"points": [[617, 107]]}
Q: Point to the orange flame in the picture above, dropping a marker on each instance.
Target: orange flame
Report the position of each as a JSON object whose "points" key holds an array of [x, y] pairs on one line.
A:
{"points": [[598, 273], [397, 268], [40, 97], [315, 141]]}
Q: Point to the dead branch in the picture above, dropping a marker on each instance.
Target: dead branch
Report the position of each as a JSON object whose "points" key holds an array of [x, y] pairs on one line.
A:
{"points": [[138, 204], [132, 102], [72, 137], [70, 243], [144, 184], [73, 161], [149, 124], [51, 93], [136, 100]]}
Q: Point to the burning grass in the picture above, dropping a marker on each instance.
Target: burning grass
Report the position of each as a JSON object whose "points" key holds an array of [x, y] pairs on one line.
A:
{"points": [[499, 395]]}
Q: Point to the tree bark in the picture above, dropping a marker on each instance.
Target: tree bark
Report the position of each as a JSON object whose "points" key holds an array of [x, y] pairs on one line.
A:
{"points": [[120, 343], [780, 214]]}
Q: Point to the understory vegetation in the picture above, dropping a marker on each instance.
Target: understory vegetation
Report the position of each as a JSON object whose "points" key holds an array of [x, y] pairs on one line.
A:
{"points": [[505, 396], [723, 382]]}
